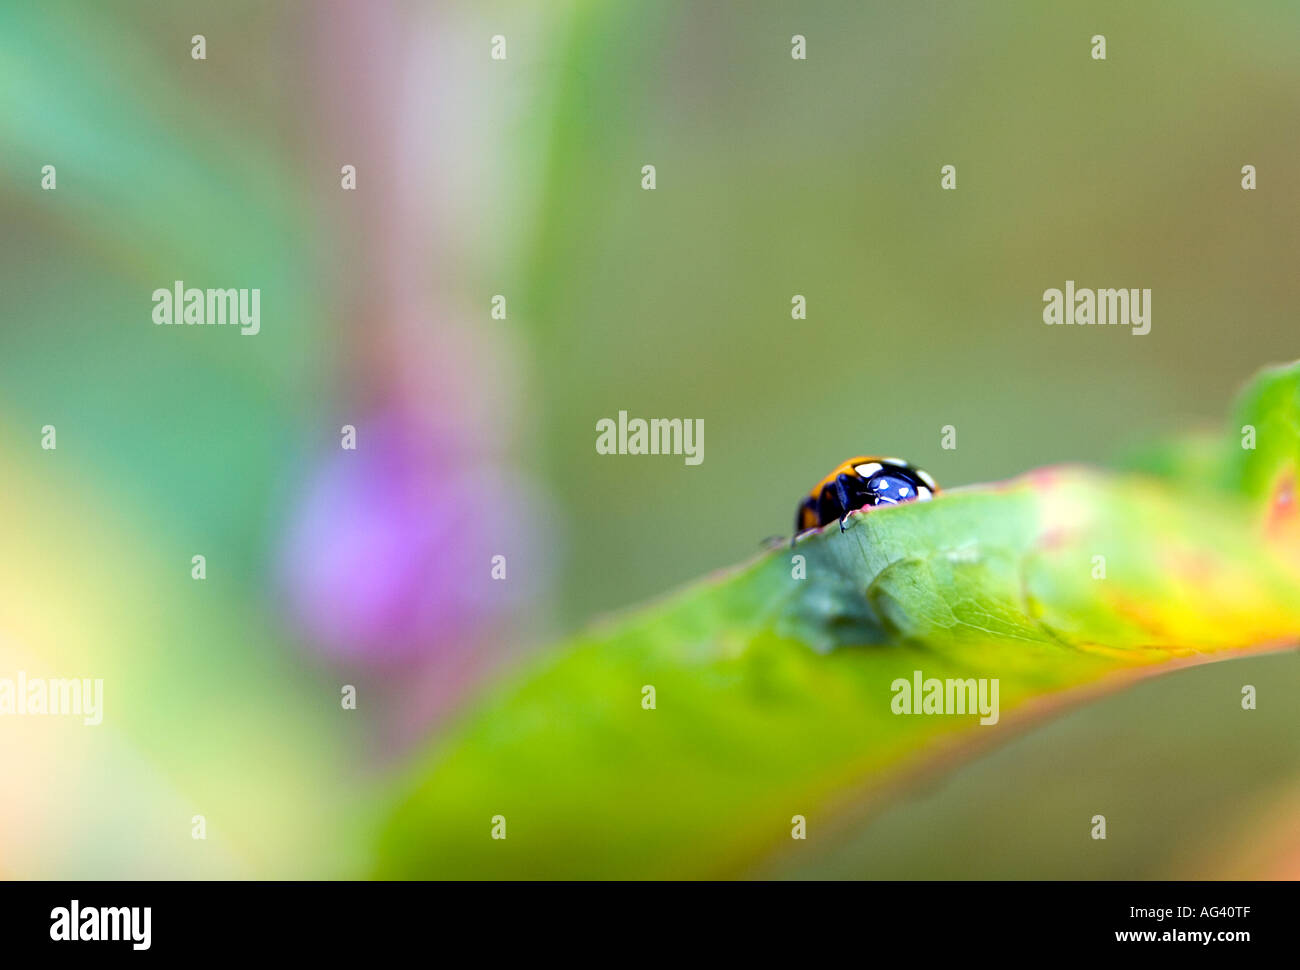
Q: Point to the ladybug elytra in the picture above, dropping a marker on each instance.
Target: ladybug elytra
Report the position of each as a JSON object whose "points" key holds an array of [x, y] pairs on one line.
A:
{"points": [[862, 482]]}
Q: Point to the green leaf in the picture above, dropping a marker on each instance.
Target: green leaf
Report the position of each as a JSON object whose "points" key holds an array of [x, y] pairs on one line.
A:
{"points": [[774, 694]]}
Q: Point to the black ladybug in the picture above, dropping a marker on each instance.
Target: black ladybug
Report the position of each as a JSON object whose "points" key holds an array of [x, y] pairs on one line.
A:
{"points": [[862, 482]]}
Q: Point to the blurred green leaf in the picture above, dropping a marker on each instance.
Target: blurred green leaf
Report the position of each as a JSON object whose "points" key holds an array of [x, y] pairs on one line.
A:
{"points": [[773, 693]]}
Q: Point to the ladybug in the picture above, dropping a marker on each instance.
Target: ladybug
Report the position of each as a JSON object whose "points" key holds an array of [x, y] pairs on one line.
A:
{"points": [[860, 483]]}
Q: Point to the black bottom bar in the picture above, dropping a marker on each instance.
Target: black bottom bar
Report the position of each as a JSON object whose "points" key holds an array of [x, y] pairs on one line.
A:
{"points": [[978, 920]]}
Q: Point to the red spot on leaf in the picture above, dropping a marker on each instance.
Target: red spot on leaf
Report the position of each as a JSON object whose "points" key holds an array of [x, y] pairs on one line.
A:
{"points": [[1282, 508], [1052, 538]]}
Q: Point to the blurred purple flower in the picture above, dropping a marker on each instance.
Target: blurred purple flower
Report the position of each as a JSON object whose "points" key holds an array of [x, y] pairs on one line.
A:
{"points": [[389, 552]]}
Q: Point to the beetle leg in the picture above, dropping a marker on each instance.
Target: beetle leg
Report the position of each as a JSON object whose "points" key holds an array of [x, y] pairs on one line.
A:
{"points": [[842, 493]]}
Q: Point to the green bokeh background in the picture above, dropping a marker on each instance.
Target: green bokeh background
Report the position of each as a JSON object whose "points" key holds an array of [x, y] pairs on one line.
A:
{"points": [[775, 177], [821, 178]]}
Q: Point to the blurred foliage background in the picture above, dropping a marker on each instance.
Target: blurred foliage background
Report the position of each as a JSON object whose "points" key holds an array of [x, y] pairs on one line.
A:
{"points": [[476, 436]]}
